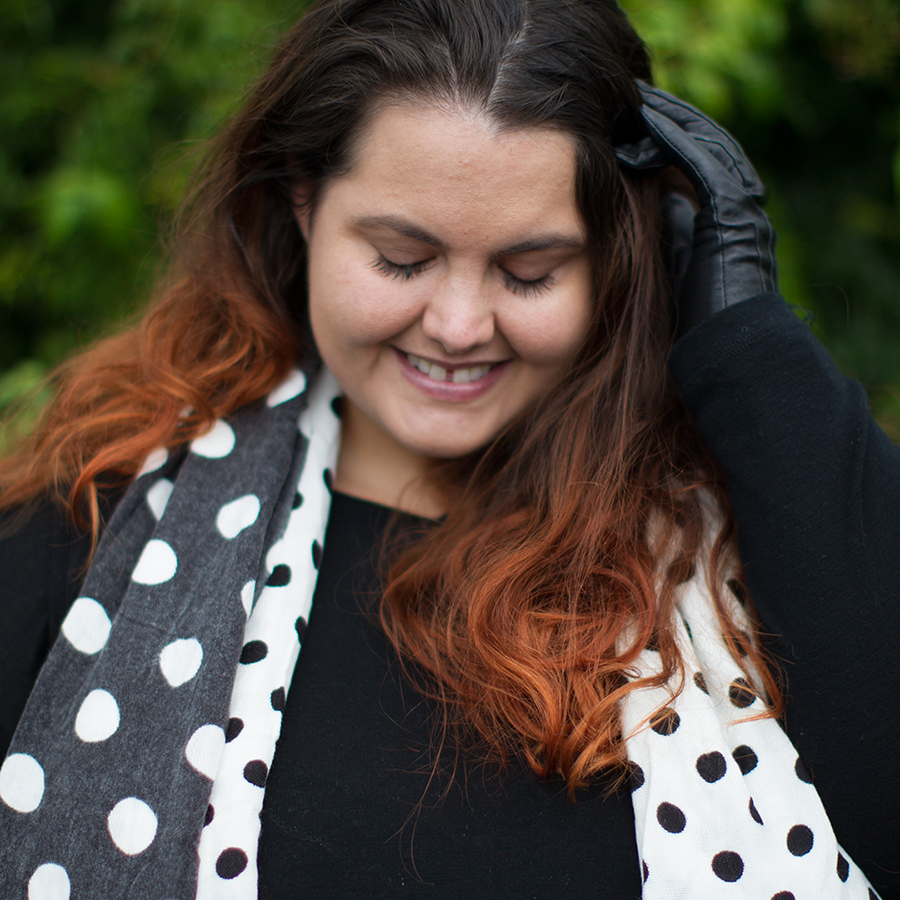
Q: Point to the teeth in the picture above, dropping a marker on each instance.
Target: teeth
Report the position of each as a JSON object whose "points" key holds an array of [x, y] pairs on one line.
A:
{"points": [[438, 373]]}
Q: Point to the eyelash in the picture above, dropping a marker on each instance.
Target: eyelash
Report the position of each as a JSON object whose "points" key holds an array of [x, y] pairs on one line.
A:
{"points": [[398, 270], [532, 288]]}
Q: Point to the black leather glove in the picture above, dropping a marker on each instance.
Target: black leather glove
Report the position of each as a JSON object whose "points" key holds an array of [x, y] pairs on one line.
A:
{"points": [[733, 250]]}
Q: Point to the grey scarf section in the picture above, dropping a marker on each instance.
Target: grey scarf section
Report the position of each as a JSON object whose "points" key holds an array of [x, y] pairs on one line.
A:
{"points": [[98, 797]]}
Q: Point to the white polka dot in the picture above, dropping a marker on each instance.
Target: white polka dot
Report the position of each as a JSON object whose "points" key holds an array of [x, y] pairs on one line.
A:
{"points": [[234, 517], [293, 385], [132, 826], [158, 497], [86, 626], [158, 563], [215, 444], [21, 782], [98, 717], [49, 882], [204, 749], [156, 459], [180, 660], [247, 592]]}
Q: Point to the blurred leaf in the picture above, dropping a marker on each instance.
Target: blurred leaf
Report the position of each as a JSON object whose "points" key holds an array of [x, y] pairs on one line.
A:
{"points": [[96, 200], [23, 395], [862, 37]]}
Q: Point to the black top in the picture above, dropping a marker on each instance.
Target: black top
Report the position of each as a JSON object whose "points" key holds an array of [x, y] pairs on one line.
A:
{"points": [[349, 809]]}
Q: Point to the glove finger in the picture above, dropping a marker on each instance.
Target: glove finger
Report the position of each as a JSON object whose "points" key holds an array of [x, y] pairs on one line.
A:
{"points": [[643, 154], [716, 139], [687, 116], [710, 175], [678, 215]]}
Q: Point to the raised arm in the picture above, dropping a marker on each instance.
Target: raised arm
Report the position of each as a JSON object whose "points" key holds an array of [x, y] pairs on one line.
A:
{"points": [[814, 484]]}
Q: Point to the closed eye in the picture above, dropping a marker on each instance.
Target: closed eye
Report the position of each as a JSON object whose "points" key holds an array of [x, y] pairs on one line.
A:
{"points": [[527, 287], [522, 287], [403, 271]]}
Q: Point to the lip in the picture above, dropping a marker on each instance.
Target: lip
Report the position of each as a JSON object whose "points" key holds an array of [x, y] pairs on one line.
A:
{"points": [[448, 390]]}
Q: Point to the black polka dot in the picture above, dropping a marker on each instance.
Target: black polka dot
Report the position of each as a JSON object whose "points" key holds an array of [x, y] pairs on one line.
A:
{"points": [[300, 627], [634, 775], [231, 863], [737, 588], [687, 628], [670, 817], [646, 872], [711, 766], [298, 501], [843, 867], [210, 815], [316, 553], [253, 652], [233, 729], [744, 644], [281, 575], [740, 693], [337, 406], [872, 895], [745, 758], [784, 895], [728, 866], [700, 681], [754, 812], [665, 721], [800, 840], [801, 771], [256, 772], [653, 643], [327, 478], [277, 699]]}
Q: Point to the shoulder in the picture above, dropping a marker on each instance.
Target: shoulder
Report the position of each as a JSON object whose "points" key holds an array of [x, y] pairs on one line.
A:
{"points": [[36, 543], [43, 558], [42, 562]]}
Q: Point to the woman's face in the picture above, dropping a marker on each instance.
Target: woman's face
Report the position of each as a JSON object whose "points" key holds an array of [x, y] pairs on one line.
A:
{"points": [[450, 287]]}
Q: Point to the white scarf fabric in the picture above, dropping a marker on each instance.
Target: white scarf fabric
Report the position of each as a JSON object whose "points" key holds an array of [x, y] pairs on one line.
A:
{"points": [[180, 679], [726, 807]]}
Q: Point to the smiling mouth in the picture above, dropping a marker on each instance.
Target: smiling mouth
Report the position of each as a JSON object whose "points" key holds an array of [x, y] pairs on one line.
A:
{"points": [[455, 376]]}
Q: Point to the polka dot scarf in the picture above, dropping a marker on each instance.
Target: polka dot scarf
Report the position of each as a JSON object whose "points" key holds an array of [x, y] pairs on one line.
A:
{"points": [[139, 766], [723, 806], [141, 759]]}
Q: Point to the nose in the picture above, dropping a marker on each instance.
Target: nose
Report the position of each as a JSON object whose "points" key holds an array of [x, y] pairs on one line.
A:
{"points": [[459, 316]]}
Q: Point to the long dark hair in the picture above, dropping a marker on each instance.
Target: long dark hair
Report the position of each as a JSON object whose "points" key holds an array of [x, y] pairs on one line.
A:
{"points": [[513, 612]]}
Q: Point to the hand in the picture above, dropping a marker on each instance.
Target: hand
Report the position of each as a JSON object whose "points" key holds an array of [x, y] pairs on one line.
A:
{"points": [[733, 250]]}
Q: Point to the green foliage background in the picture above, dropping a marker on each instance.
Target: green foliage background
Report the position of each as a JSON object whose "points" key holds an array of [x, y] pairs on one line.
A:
{"points": [[101, 99]]}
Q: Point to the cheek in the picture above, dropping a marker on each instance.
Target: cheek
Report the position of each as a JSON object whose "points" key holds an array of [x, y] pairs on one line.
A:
{"points": [[549, 338], [353, 306]]}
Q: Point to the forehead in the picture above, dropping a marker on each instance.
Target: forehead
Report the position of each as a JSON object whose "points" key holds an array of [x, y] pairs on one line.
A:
{"points": [[460, 175]]}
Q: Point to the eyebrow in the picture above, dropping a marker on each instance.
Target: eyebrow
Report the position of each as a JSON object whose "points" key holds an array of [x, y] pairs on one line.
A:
{"points": [[408, 229]]}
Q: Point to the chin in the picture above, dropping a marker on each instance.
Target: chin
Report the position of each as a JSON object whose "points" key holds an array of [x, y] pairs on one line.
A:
{"points": [[439, 447]]}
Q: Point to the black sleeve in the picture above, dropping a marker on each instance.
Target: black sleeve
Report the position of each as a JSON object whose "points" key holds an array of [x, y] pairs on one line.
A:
{"points": [[815, 488], [41, 568]]}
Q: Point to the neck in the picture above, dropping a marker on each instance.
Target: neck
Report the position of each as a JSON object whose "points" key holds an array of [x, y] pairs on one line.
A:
{"points": [[372, 466]]}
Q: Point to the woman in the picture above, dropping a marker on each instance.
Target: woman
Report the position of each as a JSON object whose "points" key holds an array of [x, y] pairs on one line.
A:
{"points": [[455, 208]]}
